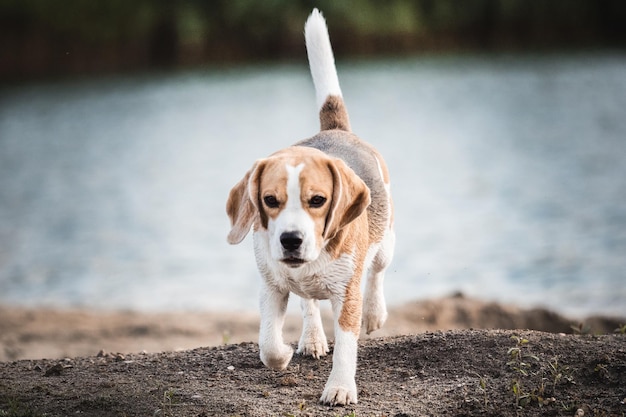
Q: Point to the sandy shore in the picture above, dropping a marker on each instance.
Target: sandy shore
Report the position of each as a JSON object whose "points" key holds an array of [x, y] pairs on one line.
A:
{"points": [[27, 333]]}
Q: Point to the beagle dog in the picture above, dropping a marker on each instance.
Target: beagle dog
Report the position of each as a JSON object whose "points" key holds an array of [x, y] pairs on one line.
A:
{"points": [[322, 217]]}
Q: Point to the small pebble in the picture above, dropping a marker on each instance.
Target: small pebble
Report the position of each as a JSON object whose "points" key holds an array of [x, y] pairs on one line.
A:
{"points": [[579, 413], [231, 368]]}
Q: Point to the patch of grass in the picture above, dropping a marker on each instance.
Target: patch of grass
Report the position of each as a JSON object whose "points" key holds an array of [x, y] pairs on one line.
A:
{"points": [[621, 329], [167, 402], [535, 380], [559, 373], [482, 387], [523, 390], [518, 362]]}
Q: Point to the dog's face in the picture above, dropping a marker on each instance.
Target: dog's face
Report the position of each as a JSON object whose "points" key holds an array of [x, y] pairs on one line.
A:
{"points": [[301, 197]]}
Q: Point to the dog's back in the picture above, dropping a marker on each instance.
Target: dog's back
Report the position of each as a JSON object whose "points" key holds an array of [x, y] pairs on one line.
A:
{"points": [[335, 137]]}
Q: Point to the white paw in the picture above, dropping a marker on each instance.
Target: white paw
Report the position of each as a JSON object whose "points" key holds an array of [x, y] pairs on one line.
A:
{"points": [[339, 394], [313, 343], [277, 357], [313, 347], [374, 314]]}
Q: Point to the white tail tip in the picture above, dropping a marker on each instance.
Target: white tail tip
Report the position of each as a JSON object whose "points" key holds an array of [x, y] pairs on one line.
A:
{"points": [[321, 59]]}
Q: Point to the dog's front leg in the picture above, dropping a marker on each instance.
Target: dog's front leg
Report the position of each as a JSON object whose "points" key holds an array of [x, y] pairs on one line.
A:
{"points": [[275, 353], [341, 385]]}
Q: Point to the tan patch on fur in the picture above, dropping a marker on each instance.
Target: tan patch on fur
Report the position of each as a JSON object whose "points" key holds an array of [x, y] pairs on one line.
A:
{"points": [[350, 198], [241, 208], [334, 115], [272, 182], [351, 310]]}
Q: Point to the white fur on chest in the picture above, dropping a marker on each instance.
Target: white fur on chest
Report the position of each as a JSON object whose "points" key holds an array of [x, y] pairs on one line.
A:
{"points": [[321, 279]]}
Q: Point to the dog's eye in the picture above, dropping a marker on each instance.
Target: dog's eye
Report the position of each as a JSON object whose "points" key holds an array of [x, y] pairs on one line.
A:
{"points": [[317, 201], [270, 201]]}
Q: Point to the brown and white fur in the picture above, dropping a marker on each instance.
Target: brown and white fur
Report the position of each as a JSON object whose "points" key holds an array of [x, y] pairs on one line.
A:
{"points": [[322, 217]]}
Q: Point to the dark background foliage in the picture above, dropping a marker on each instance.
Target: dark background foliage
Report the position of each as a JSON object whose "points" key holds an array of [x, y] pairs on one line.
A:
{"points": [[41, 38]]}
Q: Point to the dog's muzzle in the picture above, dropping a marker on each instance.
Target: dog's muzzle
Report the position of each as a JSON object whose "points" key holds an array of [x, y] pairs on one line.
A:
{"points": [[291, 243]]}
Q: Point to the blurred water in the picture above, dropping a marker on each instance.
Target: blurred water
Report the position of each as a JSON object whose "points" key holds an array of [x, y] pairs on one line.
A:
{"points": [[509, 178]]}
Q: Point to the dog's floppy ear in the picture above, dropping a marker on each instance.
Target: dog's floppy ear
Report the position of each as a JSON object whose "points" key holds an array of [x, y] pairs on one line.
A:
{"points": [[242, 205], [350, 198]]}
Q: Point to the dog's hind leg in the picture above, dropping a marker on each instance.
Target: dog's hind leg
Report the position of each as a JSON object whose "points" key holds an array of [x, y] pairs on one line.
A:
{"points": [[374, 306], [313, 340]]}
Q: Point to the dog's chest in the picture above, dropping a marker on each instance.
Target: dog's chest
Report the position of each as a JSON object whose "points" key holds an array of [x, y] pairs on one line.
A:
{"points": [[321, 280]]}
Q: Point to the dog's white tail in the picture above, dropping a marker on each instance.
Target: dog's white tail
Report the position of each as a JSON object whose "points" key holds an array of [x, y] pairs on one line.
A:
{"points": [[333, 114]]}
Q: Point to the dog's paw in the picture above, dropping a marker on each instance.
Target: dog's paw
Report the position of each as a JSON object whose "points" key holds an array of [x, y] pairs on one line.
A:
{"points": [[374, 314], [313, 346], [339, 394], [277, 357]]}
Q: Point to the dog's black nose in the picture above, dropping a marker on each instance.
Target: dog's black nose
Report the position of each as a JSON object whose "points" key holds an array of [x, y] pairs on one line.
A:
{"points": [[291, 240]]}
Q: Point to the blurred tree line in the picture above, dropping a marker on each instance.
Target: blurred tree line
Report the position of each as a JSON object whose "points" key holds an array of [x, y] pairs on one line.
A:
{"points": [[47, 37]]}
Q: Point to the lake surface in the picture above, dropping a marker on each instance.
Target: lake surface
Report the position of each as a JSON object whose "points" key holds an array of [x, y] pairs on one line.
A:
{"points": [[508, 174]]}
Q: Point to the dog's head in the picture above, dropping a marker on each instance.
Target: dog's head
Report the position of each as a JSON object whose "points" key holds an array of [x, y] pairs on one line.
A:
{"points": [[301, 197]]}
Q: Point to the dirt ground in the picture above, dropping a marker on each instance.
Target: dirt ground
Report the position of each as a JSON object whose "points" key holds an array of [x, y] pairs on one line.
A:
{"points": [[458, 373], [427, 373]]}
